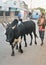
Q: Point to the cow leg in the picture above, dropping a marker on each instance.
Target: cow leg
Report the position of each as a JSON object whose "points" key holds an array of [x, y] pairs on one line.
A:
{"points": [[13, 53], [16, 43], [16, 46], [25, 41], [31, 39], [20, 49]]}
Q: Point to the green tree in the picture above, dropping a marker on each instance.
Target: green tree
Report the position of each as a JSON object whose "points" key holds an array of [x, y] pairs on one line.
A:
{"points": [[41, 9]]}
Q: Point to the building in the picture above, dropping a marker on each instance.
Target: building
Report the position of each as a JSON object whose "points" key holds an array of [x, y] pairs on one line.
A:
{"points": [[10, 9], [24, 8]]}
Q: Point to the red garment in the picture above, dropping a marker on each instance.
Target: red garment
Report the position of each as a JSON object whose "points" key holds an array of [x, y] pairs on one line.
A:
{"points": [[41, 28], [42, 20]]}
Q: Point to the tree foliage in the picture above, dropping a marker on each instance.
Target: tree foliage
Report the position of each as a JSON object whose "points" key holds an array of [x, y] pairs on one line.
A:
{"points": [[41, 9]]}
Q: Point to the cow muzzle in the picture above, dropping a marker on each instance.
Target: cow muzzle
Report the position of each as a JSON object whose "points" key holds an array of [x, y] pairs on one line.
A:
{"points": [[7, 40]]}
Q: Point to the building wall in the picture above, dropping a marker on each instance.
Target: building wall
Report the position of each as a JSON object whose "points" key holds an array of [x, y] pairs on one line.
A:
{"points": [[12, 16], [8, 18]]}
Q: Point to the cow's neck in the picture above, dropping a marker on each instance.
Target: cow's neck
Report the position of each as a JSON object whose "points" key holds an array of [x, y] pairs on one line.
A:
{"points": [[16, 33]]}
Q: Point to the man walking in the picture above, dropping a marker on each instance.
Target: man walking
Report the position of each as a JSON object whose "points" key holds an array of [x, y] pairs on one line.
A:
{"points": [[41, 25]]}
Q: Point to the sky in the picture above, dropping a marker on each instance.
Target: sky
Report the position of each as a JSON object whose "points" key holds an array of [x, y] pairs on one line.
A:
{"points": [[35, 3]]}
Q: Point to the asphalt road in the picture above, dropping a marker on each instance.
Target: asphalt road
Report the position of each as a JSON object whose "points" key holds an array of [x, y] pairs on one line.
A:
{"points": [[33, 55]]}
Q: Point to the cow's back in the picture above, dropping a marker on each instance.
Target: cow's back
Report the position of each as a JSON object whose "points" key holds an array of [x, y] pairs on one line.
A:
{"points": [[26, 27], [29, 26]]}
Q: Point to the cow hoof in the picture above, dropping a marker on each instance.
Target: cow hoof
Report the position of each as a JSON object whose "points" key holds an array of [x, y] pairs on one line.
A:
{"points": [[41, 44], [26, 45], [13, 54], [21, 51], [36, 43], [30, 44]]}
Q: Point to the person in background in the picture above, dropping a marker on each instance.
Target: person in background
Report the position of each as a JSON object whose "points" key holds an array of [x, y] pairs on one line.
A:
{"points": [[29, 15], [41, 25], [20, 16]]}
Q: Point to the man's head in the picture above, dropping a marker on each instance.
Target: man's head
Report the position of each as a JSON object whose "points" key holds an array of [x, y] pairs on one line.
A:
{"points": [[20, 20]]}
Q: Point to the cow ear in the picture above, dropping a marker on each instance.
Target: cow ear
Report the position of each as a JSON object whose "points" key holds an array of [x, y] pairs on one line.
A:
{"points": [[13, 27]]}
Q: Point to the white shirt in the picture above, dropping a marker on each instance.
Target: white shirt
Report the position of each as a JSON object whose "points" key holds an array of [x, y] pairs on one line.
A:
{"points": [[19, 22]]}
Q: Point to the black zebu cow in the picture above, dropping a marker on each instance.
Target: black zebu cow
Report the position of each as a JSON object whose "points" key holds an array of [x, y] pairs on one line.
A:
{"points": [[26, 27], [15, 23]]}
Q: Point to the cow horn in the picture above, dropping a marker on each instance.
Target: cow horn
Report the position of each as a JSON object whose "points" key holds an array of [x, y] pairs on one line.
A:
{"points": [[4, 25], [13, 27]]}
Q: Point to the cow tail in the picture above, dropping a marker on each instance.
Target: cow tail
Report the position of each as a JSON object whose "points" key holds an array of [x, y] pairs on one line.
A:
{"points": [[35, 32]]}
